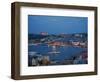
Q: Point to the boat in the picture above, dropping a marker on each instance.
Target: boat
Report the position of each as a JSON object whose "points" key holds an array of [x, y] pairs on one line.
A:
{"points": [[53, 52], [32, 53]]}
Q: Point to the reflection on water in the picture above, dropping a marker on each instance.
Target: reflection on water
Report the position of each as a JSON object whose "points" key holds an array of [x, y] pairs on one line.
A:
{"points": [[43, 54]]}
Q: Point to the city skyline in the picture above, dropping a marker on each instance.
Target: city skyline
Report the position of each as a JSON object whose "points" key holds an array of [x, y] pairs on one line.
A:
{"points": [[56, 24]]}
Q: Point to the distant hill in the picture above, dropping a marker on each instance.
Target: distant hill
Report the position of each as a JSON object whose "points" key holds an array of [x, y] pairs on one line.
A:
{"points": [[36, 36], [75, 35]]}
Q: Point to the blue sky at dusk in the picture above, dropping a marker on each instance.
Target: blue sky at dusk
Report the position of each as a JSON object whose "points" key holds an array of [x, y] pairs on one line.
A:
{"points": [[57, 24]]}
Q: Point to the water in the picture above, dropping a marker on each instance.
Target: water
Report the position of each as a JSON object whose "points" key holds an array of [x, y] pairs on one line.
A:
{"points": [[66, 52]]}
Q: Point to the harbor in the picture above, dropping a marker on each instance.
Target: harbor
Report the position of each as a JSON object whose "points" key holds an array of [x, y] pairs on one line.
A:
{"points": [[57, 40], [57, 52]]}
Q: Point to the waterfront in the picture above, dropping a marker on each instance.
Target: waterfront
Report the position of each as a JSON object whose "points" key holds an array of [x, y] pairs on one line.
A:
{"points": [[65, 54], [57, 40]]}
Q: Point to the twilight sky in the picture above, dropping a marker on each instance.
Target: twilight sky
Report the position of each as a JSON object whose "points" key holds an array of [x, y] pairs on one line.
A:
{"points": [[57, 24]]}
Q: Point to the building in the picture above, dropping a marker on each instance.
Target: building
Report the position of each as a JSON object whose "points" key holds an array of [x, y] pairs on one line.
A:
{"points": [[56, 43], [44, 33]]}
